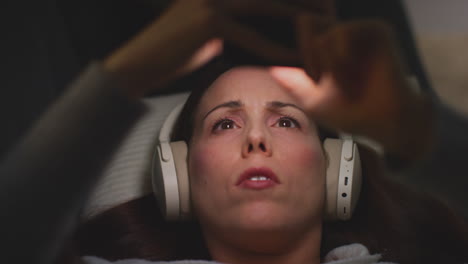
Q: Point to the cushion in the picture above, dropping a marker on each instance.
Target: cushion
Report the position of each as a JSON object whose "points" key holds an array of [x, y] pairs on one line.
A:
{"points": [[127, 176]]}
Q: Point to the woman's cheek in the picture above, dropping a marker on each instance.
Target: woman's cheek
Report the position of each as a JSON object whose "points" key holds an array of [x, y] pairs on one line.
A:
{"points": [[304, 151], [199, 162], [206, 176], [312, 155], [204, 159], [199, 159], [307, 159]]}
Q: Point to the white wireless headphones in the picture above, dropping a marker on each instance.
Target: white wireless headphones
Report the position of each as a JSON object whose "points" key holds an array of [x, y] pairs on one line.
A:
{"points": [[171, 183]]}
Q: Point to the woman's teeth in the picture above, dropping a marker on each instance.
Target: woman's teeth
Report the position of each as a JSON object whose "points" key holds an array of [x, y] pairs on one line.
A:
{"points": [[259, 178]]}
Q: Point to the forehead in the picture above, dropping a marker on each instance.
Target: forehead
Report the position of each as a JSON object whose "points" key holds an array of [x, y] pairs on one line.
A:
{"points": [[249, 84]]}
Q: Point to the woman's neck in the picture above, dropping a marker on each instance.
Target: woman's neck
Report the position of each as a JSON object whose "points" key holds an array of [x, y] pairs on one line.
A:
{"points": [[270, 247]]}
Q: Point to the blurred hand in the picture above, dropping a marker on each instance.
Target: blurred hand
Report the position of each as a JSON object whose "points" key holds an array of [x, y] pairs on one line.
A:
{"points": [[187, 36], [354, 81]]}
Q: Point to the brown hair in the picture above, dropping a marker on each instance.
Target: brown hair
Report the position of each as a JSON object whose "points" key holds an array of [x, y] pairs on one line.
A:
{"points": [[137, 229], [403, 225]]}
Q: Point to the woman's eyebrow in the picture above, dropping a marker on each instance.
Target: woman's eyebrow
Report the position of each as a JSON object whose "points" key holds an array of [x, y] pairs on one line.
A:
{"points": [[278, 105], [229, 104]]}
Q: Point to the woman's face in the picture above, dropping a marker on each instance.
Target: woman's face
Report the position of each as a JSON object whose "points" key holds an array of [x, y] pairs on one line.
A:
{"points": [[255, 159]]}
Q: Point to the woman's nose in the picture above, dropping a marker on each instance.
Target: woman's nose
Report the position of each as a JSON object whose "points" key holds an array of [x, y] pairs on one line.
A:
{"points": [[257, 142]]}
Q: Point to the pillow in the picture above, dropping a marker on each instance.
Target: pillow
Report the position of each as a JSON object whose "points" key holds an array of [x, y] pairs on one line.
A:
{"points": [[127, 176]]}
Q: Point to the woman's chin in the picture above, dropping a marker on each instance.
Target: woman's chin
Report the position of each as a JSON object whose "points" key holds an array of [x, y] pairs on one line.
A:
{"points": [[265, 216], [260, 217], [262, 227]]}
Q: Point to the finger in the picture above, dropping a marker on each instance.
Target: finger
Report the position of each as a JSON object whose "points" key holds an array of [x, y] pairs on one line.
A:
{"points": [[299, 84], [321, 101], [310, 29], [204, 54], [252, 41], [358, 53]]}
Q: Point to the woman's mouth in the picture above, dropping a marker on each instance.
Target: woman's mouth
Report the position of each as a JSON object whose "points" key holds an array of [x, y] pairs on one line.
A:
{"points": [[257, 179]]}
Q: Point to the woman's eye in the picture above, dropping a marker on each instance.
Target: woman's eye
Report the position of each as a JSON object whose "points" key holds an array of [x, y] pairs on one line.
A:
{"points": [[224, 124], [288, 122]]}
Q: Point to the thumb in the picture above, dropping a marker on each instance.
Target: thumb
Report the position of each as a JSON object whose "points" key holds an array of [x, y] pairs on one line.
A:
{"points": [[299, 84], [204, 54]]}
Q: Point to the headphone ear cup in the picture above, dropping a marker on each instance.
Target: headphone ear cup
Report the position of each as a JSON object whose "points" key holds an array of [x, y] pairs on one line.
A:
{"points": [[179, 152], [170, 180], [342, 191], [332, 148], [169, 171], [164, 181], [357, 181]]}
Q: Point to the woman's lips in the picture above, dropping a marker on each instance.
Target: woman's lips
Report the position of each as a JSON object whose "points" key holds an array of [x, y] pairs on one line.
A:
{"points": [[257, 178]]}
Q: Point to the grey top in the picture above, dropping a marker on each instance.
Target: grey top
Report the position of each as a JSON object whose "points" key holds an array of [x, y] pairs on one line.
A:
{"points": [[348, 254], [46, 178]]}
